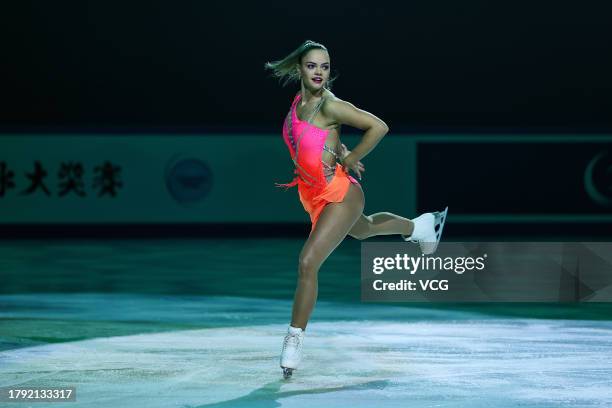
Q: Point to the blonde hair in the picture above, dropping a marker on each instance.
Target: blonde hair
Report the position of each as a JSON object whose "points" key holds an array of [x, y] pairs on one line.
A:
{"points": [[284, 69]]}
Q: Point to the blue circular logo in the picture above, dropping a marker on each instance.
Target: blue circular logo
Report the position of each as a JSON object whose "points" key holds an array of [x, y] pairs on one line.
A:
{"points": [[188, 180], [598, 179]]}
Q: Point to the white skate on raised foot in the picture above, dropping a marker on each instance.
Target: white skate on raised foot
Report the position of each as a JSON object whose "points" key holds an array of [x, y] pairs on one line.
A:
{"points": [[429, 231], [291, 355]]}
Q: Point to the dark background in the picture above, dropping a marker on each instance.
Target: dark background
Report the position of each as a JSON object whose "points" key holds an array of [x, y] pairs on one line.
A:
{"points": [[192, 66], [515, 178]]}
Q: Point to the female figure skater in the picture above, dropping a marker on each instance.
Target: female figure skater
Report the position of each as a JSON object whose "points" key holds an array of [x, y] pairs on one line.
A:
{"points": [[333, 198]]}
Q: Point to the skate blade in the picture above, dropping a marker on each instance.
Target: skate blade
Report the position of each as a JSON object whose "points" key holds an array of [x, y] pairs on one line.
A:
{"points": [[287, 372], [429, 248]]}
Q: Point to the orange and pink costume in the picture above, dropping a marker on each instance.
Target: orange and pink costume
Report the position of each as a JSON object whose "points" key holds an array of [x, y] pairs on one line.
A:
{"points": [[306, 143]]}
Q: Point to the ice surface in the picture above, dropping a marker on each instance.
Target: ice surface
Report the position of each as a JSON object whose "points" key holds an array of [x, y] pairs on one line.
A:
{"points": [[355, 356]]}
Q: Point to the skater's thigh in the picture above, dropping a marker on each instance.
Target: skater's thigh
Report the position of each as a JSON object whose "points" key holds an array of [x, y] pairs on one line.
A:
{"points": [[361, 226], [334, 223]]}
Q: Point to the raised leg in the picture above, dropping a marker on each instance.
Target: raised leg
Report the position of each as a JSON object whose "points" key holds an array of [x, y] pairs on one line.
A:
{"points": [[382, 223], [334, 223]]}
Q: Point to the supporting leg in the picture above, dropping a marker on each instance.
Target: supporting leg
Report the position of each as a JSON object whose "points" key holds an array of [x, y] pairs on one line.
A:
{"points": [[333, 224]]}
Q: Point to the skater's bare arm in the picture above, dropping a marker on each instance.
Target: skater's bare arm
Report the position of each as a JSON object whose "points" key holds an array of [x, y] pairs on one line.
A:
{"points": [[346, 113]]}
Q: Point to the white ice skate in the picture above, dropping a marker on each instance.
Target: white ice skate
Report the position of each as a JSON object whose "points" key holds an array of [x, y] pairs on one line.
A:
{"points": [[429, 231], [291, 354]]}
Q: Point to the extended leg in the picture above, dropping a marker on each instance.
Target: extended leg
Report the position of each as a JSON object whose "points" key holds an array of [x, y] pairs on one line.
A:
{"points": [[334, 223], [382, 223]]}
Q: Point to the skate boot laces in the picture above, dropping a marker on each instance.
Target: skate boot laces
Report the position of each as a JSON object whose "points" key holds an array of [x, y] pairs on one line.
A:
{"points": [[292, 339]]}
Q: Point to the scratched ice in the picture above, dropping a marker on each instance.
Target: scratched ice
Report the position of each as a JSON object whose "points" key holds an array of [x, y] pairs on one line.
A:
{"points": [[388, 357]]}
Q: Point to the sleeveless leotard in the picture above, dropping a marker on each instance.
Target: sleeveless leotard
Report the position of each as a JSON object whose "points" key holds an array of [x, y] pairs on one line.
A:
{"points": [[307, 142]]}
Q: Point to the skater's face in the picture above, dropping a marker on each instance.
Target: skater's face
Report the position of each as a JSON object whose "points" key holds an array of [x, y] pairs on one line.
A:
{"points": [[314, 69]]}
